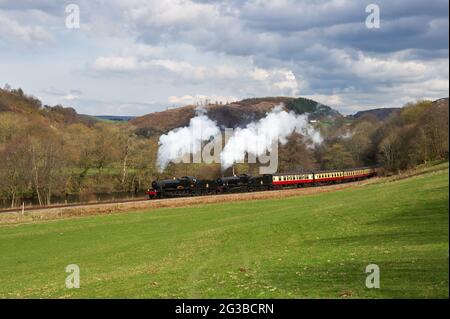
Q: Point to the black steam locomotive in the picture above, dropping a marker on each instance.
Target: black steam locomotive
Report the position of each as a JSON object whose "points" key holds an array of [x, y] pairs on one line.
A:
{"points": [[191, 186]]}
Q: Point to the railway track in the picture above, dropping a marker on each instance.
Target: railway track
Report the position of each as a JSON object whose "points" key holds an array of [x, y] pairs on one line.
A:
{"points": [[156, 201], [32, 208]]}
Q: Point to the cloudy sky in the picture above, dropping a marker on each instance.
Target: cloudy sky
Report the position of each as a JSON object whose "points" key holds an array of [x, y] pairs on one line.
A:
{"points": [[132, 57]]}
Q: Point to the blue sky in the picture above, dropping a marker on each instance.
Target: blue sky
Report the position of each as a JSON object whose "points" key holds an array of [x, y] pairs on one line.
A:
{"points": [[133, 57]]}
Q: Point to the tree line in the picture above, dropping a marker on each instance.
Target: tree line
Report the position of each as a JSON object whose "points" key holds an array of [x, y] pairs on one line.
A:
{"points": [[42, 161], [56, 155]]}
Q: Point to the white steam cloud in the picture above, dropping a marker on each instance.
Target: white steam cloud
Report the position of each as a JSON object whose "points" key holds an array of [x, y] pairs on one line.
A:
{"points": [[258, 137], [186, 140]]}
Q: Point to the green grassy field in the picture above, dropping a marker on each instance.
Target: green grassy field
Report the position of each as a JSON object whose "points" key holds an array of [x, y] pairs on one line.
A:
{"points": [[300, 247]]}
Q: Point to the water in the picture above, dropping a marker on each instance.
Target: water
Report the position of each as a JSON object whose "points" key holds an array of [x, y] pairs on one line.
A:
{"points": [[77, 198]]}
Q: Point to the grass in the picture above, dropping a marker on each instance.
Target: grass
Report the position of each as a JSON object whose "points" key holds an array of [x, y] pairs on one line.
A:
{"points": [[312, 246]]}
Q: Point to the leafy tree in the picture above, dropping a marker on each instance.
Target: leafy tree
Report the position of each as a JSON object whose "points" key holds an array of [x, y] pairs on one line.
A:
{"points": [[337, 157], [295, 155]]}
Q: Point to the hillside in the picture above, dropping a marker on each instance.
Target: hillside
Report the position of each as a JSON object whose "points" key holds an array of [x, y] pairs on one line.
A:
{"points": [[384, 113], [381, 114], [441, 102], [16, 101], [114, 118], [232, 115]]}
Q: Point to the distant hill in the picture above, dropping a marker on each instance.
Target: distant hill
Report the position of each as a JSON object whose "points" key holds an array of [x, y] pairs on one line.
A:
{"points": [[236, 114], [316, 110], [381, 114], [441, 102], [115, 118], [16, 101]]}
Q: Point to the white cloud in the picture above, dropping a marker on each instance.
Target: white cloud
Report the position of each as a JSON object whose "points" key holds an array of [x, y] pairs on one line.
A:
{"points": [[71, 97], [230, 73], [332, 100], [115, 63], [153, 49], [259, 74], [30, 35], [171, 13], [288, 82]]}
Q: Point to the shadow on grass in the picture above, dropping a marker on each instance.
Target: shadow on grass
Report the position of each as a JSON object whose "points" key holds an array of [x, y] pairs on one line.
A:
{"points": [[381, 239], [418, 278]]}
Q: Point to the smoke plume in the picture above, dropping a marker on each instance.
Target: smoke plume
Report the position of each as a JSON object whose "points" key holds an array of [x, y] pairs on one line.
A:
{"points": [[186, 140], [257, 137]]}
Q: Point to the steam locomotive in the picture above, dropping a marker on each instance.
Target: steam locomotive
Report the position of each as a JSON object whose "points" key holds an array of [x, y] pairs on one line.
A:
{"points": [[191, 186]]}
